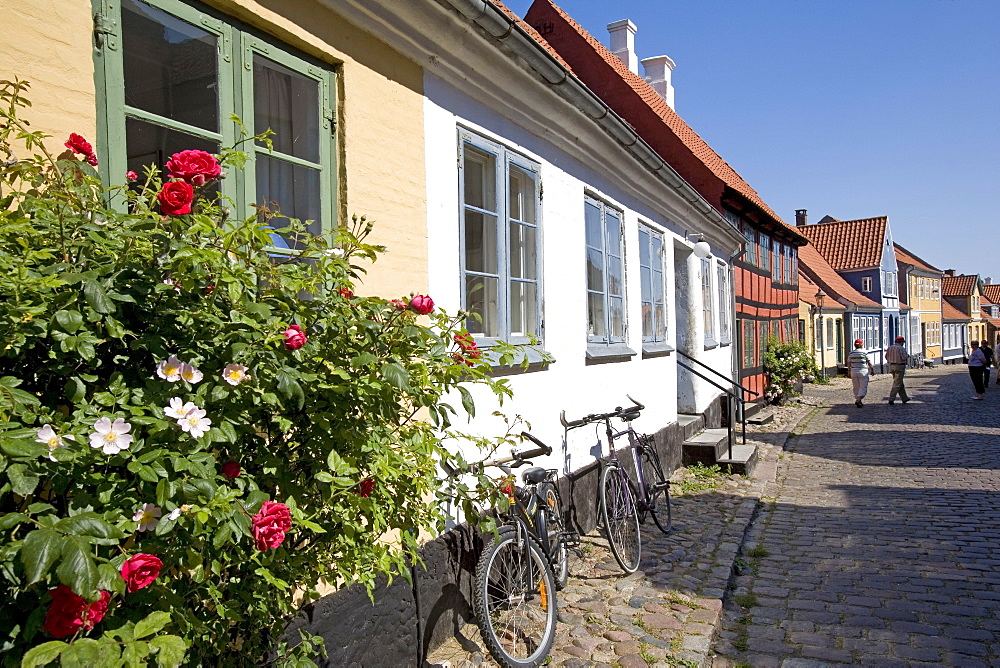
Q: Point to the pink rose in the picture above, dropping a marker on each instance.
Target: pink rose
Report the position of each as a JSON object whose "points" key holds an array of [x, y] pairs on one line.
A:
{"points": [[194, 166], [398, 304], [176, 198], [422, 304], [270, 525], [295, 338], [131, 176], [231, 470], [70, 613], [140, 570], [78, 144]]}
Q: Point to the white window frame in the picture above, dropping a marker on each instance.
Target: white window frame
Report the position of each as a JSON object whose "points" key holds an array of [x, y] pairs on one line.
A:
{"points": [[505, 158], [764, 242], [776, 265], [866, 284], [608, 344], [652, 278], [707, 303], [725, 300]]}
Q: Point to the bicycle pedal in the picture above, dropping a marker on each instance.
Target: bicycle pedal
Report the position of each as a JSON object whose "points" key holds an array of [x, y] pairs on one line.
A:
{"points": [[570, 538], [661, 486]]}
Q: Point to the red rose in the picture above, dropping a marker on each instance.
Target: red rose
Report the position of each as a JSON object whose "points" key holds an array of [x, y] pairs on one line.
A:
{"points": [[176, 198], [78, 144], [346, 293], [140, 571], [295, 338], [231, 470], [91, 159], [366, 488], [70, 613], [422, 304], [194, 167], [270, 525]]}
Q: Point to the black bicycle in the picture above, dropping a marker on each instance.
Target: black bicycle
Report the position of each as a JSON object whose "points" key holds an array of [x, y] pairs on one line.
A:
{"points": [[523, 565], [625, 502]]}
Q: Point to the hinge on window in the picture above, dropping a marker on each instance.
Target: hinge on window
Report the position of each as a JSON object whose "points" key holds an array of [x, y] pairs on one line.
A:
{"points": [[331, 116], [104, 31], [541, 191]]}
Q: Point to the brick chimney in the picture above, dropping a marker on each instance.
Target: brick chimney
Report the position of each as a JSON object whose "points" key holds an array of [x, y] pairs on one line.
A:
{"points": [[657, 70], [801, 218], [622, 35], [949, 272]]}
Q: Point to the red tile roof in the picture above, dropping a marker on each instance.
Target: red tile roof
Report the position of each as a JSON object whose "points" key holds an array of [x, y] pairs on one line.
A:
{"points": [[949, 312], [823, 275], [992, 292], [808, 290], [962, 285], [535, 35], [849, 244], [674, 123], [909, 258]]}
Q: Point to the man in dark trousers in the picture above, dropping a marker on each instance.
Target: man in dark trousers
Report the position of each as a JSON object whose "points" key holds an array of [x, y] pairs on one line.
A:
{"points": [[984, 345], [897, 357]]}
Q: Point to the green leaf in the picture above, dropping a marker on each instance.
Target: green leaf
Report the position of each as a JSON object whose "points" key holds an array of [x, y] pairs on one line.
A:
{"points": [[22, 447], [364, 359], [153, 622], [467, 403], [43, 654], [338, 464], [22, 481], [170, 650], [109, 578], [69, 321], [228, 431], [9, 520], [90, 524], [135, 654], [77, 568], [290, 387], [83, 653], [75, 389], [222, 536], [396, 374], [254, 501], [40, 550], [97, 297]]}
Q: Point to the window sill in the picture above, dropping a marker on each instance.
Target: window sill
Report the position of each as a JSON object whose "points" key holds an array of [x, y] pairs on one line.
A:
{"points": [[711, 344], [657, 349], [526, 358], [725, 342], [599, 353]]}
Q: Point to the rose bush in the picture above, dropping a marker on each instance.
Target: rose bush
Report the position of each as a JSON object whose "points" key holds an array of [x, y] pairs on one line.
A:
{"points": [[787, 365], [149, 346]]}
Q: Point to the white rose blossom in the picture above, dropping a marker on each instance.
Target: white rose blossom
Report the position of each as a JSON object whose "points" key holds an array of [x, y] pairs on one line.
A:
{"points": [[111, 437], [195, 422], [147, 517], [48, 436], [170, 370], [234, 374], [178, 408]]}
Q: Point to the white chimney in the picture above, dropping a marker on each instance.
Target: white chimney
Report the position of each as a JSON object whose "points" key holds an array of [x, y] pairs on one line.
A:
{"points": [[658, 69], [623, 43]]}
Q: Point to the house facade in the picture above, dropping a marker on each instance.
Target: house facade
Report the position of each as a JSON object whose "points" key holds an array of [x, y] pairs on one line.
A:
{"points": [[765, 274], [964, 293], [920, 287], [862, 252]]}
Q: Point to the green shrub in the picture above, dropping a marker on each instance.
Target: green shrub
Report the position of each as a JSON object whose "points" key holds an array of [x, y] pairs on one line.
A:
{"points": [[197, 433], [787, 365]]}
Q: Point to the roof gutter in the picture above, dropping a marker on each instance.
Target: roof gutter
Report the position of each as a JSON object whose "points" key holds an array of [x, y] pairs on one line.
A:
{"points": [[502, 28]]}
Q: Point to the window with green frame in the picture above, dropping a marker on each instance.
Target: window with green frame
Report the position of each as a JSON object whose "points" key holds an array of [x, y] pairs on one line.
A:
{"points": [[170, 78]]}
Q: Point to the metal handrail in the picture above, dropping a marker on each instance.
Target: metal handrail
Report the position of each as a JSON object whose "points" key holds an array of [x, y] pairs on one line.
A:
{"points": [[739, 397]]}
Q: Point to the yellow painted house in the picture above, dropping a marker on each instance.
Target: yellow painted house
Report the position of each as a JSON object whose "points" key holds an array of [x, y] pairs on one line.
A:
{"points": [[964, 292], [920, 288], [143, 80]]}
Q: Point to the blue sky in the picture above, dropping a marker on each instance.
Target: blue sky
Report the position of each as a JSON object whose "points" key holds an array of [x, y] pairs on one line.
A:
{"points": [[852, 108]]}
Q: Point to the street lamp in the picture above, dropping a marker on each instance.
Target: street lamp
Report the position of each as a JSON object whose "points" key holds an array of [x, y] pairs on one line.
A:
{"points": [[820, 298]]}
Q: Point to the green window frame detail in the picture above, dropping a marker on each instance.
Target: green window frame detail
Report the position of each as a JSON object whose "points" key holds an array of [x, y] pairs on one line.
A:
{"points": [[237, 49]]}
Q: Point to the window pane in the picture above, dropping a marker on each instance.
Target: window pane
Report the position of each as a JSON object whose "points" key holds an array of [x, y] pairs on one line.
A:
{"points": [[643, 247], [480, 242], [522, 195], [648, 317], [481, 299], [595, 232], [595, 270], [646, 279], [293, 190], [614, 226], [149, 144], [171, 66], [523, 303], [480, 178], [287, 103], [595, 315], [616, 306], [616, 285], [659, 321], [523, 258]]}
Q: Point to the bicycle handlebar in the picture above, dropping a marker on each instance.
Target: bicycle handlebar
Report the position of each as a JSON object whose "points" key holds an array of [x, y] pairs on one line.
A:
{"points": [[628, 412], [515, 456]]}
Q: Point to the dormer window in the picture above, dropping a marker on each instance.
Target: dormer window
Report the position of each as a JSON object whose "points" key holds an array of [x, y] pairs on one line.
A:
{"points": [[995, 311], [866, 284]]}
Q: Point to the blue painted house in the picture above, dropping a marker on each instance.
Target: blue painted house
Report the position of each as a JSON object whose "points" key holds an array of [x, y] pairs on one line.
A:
{"points": [[862, 252]]}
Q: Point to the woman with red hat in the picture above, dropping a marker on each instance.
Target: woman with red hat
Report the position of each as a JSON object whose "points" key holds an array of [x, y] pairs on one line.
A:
{"points": [[859, 367]]}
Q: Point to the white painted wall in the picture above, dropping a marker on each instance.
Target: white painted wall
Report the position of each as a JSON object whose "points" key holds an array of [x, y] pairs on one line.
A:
{"points": [[569, 383]]}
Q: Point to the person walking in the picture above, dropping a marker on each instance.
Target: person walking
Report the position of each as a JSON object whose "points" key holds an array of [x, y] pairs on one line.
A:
{"points": [[859, 367], [984, 345], [897, 357], [977, 364]]}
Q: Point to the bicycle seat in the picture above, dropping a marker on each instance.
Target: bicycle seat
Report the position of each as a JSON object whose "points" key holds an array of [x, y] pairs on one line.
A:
{"points": [[534, 475]]}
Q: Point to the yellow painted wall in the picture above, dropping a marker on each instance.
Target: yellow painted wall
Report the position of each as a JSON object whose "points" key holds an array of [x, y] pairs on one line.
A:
{"points": [[832, 354], [931, 317], [381, 160]]}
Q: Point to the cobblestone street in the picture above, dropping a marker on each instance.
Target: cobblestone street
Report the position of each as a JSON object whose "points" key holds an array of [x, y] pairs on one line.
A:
{"points": [[881, 542]]}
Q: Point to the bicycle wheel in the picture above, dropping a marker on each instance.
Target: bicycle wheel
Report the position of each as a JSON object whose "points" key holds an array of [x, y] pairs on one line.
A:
{"points": [[621, 518], [558, 554], [658, 488], [515, 600]]}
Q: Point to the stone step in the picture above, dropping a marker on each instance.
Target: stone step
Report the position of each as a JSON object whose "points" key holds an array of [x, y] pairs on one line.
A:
{"points": [[705, 447], [744, 459], [761, 417], [689, 424]]}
